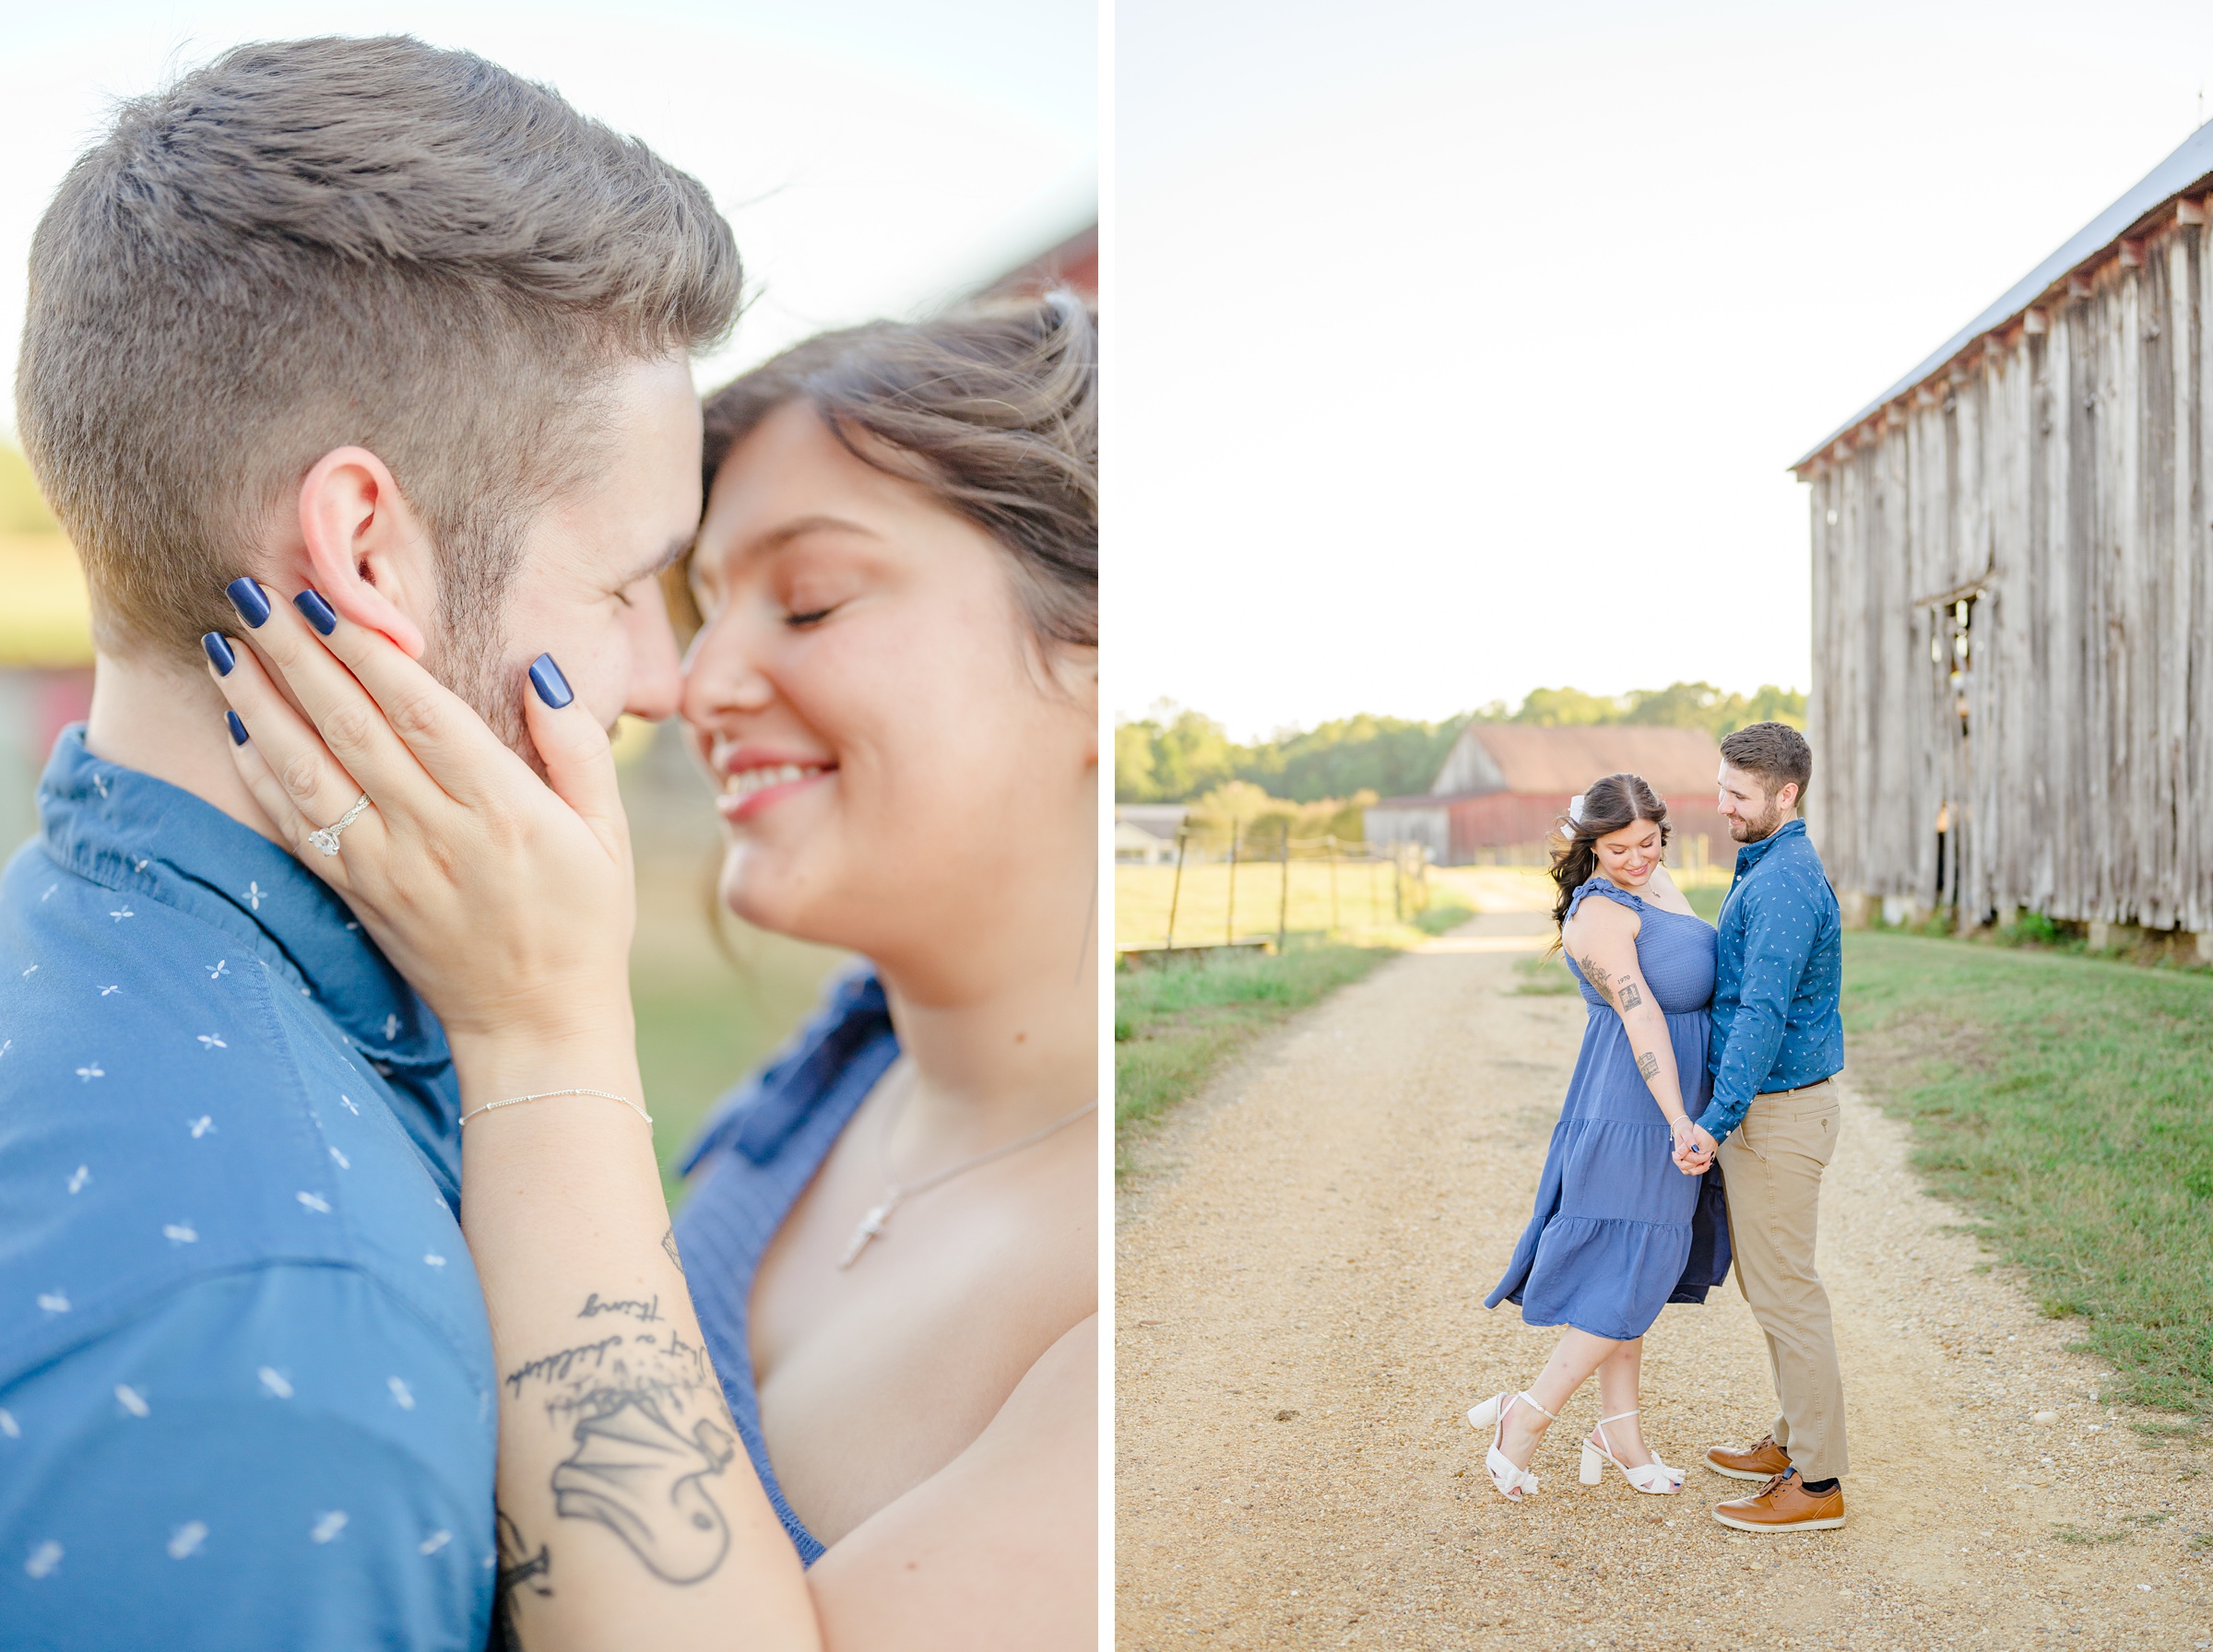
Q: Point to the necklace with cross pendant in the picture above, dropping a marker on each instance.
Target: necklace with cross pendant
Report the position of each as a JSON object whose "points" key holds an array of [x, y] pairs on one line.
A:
{"points": [[871, 1226]]}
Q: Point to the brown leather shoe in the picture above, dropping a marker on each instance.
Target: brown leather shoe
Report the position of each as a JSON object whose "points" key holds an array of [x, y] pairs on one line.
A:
{"points": [[1763, 1460], [1784, 1505]]}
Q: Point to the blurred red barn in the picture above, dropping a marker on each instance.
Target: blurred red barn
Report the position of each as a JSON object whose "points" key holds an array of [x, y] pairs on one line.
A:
{"points": [[1074, 263], [1503, 786]]}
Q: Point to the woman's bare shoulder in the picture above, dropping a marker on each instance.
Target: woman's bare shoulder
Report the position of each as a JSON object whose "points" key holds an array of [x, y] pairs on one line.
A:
{"points": [[1601, 921]]}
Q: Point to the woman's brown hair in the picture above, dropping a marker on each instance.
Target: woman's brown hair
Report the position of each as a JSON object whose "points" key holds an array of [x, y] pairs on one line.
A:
{"points": [[1615, 801], [993, 410]]}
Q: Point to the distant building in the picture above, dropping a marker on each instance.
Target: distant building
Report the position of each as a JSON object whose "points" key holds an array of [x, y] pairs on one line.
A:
{"points": [[1074, 263], [1146, 832], [1504, 786]]}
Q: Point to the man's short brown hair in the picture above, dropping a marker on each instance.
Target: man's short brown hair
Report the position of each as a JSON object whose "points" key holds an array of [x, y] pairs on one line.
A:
{"points": [[309, 244], [1775, 751]]}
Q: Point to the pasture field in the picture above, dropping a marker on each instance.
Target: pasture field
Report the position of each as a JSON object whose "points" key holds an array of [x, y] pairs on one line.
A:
{"points": [[1362, 902]]}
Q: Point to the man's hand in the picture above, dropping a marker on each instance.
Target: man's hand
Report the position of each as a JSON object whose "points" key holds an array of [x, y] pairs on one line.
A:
{"points": [[1696, 1156]]}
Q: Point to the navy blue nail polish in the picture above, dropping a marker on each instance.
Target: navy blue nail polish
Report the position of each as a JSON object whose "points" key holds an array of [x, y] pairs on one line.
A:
{"points": [[551, 686], [238, 729], [218, 653], [318, 612], [252, 605]]}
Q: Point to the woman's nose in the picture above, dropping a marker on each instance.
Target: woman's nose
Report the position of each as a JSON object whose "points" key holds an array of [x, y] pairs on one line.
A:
{"points": [[719, 674]]}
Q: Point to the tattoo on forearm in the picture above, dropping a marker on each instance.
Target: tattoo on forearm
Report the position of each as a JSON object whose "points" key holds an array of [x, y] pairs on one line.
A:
{"points": [[1630, 998], [555, 1367], [650, 1431], [646, 1312], [1647, 1063], [669, 1245], [518, 1569]]}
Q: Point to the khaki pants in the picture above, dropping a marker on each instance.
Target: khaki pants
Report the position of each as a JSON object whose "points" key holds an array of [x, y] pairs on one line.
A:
{"points": [[1771, 1168]]}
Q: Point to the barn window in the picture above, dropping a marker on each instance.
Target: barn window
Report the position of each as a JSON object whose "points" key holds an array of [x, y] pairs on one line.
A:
{"points": [[1951, 649]]}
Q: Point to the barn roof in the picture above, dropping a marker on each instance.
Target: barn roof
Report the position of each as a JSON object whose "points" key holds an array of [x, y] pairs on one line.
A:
{"points": [[2179, 174], [1558, 763]]}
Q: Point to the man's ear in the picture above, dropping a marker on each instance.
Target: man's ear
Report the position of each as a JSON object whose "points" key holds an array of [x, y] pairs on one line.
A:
{"points": [[366, 552]]}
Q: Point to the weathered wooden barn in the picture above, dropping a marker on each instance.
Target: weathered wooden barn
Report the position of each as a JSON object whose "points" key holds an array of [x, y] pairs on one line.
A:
{"points": [[2012, 702], [1503, 786]]}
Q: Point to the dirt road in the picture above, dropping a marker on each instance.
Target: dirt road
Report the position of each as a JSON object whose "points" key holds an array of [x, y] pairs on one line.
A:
{"points": [[1302, 1257]]}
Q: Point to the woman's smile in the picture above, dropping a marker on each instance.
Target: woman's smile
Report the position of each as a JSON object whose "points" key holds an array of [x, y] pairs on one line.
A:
{"points": [[753, 780]]}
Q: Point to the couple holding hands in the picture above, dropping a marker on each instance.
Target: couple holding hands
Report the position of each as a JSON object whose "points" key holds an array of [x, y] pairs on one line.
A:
{"points": [[1697, 1125]]}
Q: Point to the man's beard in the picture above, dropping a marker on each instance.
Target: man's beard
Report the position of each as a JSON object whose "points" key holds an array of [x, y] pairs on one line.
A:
{"points": [[471, 658], [1756, 830]]}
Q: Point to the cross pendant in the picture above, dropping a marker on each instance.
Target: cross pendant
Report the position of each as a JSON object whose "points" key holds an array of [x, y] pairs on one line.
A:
{"points": [[871, 1225]]}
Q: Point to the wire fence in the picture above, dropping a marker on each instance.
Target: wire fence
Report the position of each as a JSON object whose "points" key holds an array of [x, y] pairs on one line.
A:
{"points": [[1238, 890]]}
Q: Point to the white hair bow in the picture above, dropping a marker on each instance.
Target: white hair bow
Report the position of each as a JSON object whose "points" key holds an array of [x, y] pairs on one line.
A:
{"points": [[1575, 809]]}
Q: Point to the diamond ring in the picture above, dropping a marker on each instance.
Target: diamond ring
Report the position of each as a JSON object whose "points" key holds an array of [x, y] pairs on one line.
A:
{"points": [[325, 838]]}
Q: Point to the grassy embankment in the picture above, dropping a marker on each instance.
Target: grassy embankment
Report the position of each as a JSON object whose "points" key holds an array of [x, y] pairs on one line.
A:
{"points": [[2067, 1104], [1176, 1023]]}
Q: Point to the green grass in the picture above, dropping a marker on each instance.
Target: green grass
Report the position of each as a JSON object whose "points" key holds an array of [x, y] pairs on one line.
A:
{"points": [[2062, 1100], [703, 1030], [1176, 1023]]}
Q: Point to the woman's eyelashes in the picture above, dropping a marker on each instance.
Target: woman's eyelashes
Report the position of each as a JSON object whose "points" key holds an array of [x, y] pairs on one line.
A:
{"points": [[798, 621]]}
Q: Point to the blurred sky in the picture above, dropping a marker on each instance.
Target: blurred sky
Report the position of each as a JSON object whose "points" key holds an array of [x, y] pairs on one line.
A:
{"points": [[875, 157], [1461, 347]]}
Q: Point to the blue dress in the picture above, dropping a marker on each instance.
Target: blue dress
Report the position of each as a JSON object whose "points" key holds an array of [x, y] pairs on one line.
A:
{"points": [[1618, 1231], [761, 1148]]}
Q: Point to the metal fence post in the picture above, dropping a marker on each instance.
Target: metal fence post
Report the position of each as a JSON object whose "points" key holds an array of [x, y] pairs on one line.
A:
{"points": [[1229, 925], [1332, 847], [1176, 889]]}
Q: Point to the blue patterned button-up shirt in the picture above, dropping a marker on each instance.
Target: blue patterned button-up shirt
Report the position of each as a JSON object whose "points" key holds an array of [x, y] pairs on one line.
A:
{"points": [[246, 1388], [1778, 969]]}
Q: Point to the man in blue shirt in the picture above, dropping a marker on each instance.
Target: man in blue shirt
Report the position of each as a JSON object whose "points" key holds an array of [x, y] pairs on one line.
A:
{"points": [[1777, 1042], [247, 1393]]}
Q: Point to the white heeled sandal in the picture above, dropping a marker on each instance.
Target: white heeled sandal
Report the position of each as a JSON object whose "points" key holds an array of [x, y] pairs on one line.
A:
{"points": [[1511, 1483], [1656, 1476]]}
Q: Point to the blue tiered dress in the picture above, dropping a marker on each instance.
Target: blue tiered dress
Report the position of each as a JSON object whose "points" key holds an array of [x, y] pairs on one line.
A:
{"points": [[1619, 1232]]}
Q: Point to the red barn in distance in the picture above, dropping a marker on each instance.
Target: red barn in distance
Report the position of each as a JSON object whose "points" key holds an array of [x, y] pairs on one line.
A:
{"points": [[1073, 263], [1503, 786]]}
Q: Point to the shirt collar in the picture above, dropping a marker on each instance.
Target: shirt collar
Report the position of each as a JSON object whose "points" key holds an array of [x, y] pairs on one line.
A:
{"points": [[139, 836], [1748, 855]]}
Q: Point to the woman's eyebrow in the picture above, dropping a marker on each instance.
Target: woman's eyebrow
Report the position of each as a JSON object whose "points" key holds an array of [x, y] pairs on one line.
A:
{"points": [[777, 537]]}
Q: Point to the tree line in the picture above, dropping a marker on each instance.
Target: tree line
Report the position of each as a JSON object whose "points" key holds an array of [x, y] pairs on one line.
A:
{"points": [[1177, 755]]}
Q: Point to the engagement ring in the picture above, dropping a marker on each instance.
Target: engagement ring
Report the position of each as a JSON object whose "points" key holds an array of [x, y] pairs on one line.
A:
{"points": [[325, 838]]}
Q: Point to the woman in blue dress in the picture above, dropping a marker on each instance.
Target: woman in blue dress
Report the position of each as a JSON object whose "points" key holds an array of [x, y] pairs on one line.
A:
{"points": [[1623, 1226]]}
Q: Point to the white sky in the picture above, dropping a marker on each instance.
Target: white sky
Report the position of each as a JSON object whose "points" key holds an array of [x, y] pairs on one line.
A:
{"points": [[875, 157], [1463, 346]]}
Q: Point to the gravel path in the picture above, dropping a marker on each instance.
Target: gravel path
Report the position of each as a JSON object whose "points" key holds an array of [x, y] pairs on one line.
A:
{"points": [[1302, 1255]]}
